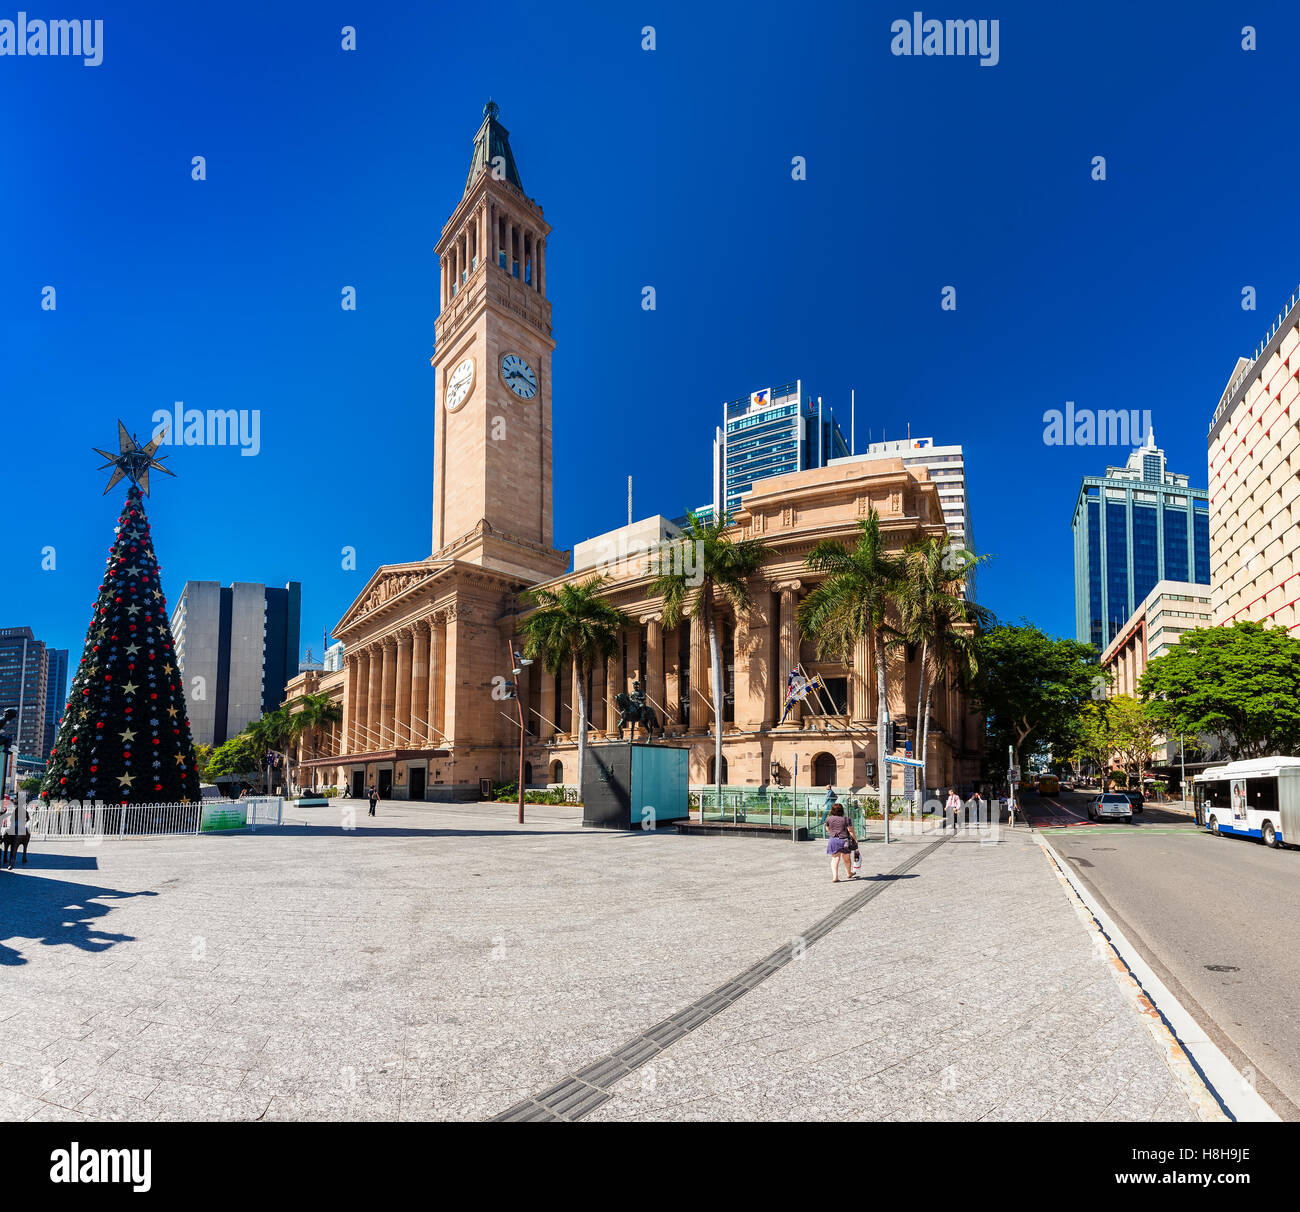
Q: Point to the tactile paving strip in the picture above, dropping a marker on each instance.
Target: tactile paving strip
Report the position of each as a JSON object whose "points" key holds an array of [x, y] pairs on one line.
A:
{"points": [[586, 1089]]}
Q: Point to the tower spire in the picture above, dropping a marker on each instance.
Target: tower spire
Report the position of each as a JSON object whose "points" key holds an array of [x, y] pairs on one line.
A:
{"points": [[492, 151]]}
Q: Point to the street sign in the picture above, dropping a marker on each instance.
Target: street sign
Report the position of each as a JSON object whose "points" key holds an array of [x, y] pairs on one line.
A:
{"points": [[1013, 775], [907, 748], [897, 761], [909, 780]]}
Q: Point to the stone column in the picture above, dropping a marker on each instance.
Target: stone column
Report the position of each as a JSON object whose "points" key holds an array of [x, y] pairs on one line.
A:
{"points": [[597, 704], [672, 677], [863, 684], [788, 651], [750, 639], [373, 679], [402, 724], [388, 693], [575, 679], [437, 668], [510, 247], [654, 664], [701, 673], [633, 654], [547, 724], [351, 697], [613, 684], [419, 705], [541, 261]]}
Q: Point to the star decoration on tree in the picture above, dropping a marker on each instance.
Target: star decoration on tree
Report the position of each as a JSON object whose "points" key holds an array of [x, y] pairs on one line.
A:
{"points": [[133, 461]]}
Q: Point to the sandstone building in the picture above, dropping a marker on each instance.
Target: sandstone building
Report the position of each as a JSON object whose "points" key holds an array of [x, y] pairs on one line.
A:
{"points": [[428, 642]]}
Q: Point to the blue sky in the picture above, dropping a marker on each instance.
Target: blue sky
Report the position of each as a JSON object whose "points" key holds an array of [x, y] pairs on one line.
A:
{"points": [[669, 168]]}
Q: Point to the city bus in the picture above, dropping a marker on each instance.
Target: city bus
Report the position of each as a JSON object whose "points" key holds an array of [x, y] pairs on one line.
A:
{"points": [[1049, 784], [1257, 798]]}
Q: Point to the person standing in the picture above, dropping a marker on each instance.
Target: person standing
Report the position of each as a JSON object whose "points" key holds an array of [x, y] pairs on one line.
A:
{"points": [[14, 830], [979, 808], [840, 843], [373, 796], [952, 806]]}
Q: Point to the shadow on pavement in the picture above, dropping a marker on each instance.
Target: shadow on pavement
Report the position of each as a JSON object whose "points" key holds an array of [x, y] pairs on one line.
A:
{"points": [[54, 913]]}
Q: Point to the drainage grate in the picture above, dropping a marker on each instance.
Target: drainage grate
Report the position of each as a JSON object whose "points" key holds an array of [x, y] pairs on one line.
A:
{"points": [[1221, 968], [586, 1089]]}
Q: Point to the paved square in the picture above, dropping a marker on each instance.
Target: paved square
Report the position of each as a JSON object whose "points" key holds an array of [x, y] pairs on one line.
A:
{"points": [[442, 962]]}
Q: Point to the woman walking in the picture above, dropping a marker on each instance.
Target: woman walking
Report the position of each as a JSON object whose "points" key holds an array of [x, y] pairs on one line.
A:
{"points": [[840, 843]]}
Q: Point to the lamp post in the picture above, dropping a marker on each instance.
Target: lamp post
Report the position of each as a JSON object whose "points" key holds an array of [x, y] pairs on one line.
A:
{"points": [[520, 664]]}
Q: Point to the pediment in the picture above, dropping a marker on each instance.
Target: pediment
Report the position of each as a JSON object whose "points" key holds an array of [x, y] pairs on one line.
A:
{"points": [[389, 584]]}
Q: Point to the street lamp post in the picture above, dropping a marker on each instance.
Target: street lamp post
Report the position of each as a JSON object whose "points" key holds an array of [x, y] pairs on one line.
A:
{"points": [[520, 664]]}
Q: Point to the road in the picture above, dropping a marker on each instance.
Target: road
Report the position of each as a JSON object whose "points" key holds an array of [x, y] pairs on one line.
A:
{"points": [[1215, 918]]}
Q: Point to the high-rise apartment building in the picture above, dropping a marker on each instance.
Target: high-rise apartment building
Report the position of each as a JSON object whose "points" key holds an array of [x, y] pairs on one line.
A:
{"points": [[1254, 454], [772, 432], [237, 648], [24, 671], [1134, 526]]}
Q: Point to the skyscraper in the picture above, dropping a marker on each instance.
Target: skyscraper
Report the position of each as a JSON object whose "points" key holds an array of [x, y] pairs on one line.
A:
{"points": [[23, 675], [771, 432], [56, 692], [1134, 526], [237, 648]]}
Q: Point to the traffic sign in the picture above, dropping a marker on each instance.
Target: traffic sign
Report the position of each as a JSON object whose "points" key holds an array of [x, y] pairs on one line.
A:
{"points": [[1013, 775], [897, 761]]}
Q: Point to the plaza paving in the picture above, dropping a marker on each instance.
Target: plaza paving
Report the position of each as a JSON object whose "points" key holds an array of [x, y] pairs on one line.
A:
{"points": [[442, 962]]}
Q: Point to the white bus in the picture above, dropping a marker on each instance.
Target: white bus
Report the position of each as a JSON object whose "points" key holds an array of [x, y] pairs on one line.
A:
{"points": [[1257, 798]]}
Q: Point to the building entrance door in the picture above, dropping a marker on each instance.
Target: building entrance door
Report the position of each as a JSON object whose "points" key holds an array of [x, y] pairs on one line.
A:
{"points": [[385, 786], [358, 784], [416, 777]]}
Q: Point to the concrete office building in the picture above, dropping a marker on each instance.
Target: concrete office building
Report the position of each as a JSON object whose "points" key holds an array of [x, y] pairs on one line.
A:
{"points": [[1254, 455], [237, 649], [1169, 610], [1133, 527], [24, 674], [772, 432]]}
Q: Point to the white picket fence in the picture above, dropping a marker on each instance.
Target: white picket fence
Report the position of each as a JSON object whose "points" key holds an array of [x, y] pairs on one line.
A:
{"points": [[93, 820]]}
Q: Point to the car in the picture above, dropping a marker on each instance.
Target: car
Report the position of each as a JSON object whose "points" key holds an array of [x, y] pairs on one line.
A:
{"points": [[1135, 798], [1112, 805]]}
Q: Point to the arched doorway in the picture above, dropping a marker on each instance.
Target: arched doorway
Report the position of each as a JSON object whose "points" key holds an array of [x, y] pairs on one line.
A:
{"points": [[712, 778], [823, 770], [528, 774], [557, 772]]}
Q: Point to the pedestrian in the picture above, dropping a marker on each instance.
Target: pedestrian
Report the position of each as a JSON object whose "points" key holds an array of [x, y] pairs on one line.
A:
{"points": [[830, 799], [979, 808], [841, 842], [14, 831], [373, 796], [951, 806]]}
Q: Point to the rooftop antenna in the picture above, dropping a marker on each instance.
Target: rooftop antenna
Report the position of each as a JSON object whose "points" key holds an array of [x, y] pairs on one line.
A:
{"points": [[853, 422], [629, 500]]}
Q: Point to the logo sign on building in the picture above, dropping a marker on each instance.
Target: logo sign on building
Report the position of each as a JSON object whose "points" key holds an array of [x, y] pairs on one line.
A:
{"points": [[760, 399]]}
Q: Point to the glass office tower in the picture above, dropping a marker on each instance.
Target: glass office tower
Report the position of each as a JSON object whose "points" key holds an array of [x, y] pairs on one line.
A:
{"points": [[1134, 526]]}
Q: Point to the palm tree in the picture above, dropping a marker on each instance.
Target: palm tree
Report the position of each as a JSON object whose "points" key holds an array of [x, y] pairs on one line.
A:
{"points": [[722, 566], [273, 732], [860, 591], [315, 713], [572, 623], [935, 614]]}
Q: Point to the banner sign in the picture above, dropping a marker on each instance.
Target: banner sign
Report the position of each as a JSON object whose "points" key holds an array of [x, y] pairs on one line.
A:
{"points": [[217, 817]]}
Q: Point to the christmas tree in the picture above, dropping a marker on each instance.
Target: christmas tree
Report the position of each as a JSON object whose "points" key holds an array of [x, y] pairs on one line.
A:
{"points": [[125, 736]]}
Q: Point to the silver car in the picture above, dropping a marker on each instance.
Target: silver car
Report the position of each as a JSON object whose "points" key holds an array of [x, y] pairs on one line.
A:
{"points": [[1111, 806]]}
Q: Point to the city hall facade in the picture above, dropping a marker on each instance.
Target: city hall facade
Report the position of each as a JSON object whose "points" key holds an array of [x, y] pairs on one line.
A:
{"points": [[428, 644]]}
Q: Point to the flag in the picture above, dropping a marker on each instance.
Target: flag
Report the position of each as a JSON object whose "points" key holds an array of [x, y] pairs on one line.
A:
{"points": [[796, 689]]}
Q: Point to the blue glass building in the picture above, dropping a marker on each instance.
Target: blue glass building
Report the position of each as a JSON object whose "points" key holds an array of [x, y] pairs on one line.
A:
{"points": [[1134, 526], [772, 432]]}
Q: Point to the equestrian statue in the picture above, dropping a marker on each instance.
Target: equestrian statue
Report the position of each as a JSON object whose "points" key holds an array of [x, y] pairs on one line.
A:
{"points": [[633, 710]]}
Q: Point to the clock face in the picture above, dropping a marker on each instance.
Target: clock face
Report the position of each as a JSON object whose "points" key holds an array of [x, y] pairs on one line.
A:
{"points": [[519, 376], [458, 384]]}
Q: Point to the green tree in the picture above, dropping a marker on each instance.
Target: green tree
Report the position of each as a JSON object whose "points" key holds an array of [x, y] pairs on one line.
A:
{"points": [[935, 614], [861, 589], [313, 714], [275, 731], [1092, 742], [240, 757], [1032, 688], [202, 756], [1133, 734], [721, 567], [572, 624], [1239, 683]]}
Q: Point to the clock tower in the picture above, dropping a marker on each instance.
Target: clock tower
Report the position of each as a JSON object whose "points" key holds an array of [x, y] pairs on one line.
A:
{"points": [[492, 480]]}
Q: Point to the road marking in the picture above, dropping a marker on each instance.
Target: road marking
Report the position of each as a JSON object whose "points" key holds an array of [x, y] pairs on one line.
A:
{"points": [[1212, 1083]]}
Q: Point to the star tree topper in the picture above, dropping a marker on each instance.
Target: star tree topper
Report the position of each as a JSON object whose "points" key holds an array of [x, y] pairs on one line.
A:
{"points": [[134, 461]]}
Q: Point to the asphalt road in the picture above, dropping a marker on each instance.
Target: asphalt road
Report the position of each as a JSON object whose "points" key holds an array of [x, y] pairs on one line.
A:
{"points": [[1216, 918]]}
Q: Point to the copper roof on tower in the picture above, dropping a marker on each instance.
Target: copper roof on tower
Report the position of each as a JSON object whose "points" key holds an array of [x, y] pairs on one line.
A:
{"points": [[492, 149]]}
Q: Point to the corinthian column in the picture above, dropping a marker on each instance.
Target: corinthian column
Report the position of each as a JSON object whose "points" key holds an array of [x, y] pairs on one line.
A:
{"points": [[789, 648], [420, 678], [654, 665], [373, 678], [863, 705], [387, 693], [700, 702], [437, 679], [402, 722]]}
